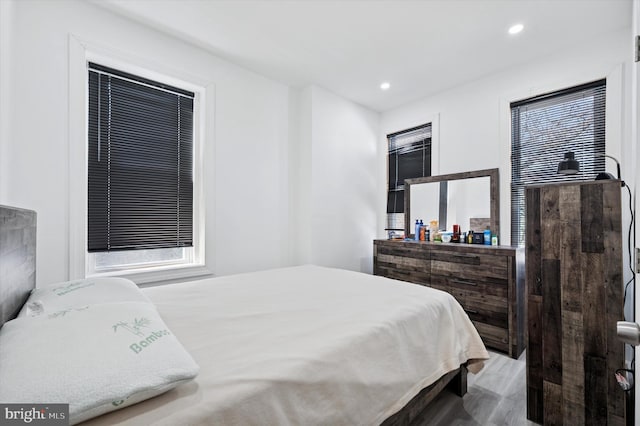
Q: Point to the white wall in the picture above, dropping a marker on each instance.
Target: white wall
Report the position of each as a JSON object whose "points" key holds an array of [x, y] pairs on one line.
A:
{"points": [[337, 169], [246, 163], [635, 140], [474, 120], [301, 179], [6, 20]]}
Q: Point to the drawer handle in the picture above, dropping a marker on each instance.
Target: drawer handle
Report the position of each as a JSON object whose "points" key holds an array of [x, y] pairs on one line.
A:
{"points": [[470, 311], [464, 282]]}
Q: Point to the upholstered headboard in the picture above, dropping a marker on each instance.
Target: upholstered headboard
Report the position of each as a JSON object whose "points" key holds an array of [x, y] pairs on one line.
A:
{"points": [[17, 259]]}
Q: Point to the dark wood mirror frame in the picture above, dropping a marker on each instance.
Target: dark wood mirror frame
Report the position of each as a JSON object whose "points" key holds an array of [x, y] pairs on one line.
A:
{"points": [[494, 183]]}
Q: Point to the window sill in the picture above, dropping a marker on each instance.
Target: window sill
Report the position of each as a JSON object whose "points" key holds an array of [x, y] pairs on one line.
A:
{"points": [[159, 275]]}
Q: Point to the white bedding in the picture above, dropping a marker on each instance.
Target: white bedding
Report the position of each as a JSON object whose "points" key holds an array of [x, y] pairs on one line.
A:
{"points": [[305, 346]]}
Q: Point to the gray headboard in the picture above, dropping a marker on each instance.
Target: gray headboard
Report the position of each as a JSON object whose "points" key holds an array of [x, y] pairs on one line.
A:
{"points": [[17, 259]]}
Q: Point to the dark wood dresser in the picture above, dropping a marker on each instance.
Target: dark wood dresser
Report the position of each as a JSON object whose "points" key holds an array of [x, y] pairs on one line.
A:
{"points": [[488, 281], [575, 298]]}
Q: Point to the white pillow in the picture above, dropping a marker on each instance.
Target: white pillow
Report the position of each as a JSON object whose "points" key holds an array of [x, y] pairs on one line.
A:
{"points": [[97, 358], [63, 295]]}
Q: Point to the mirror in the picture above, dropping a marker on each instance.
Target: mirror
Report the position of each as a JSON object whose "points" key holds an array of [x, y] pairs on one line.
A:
{"points": [[456, 198]]}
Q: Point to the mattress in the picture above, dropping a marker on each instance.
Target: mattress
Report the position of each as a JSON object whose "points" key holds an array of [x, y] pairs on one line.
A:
{"points": [[305, 345]]}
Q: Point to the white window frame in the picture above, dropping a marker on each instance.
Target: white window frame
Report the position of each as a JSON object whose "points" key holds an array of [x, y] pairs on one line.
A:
{"points": [[383, 153], [431, 161], [81, 262]]}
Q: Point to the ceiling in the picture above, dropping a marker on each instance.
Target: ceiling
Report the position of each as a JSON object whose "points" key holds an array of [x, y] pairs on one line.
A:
{"points": [[351, 46]]}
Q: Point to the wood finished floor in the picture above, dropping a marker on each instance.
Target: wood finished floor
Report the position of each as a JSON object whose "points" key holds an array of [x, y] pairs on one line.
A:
{"points": [[496, 396]]}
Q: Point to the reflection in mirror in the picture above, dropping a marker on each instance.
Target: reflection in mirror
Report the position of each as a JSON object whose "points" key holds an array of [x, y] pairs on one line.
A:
{"points": [[425, 202], [469, 199], [454, 202]]}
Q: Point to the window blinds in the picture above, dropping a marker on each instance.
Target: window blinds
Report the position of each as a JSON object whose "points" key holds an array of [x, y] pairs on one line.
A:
{"points": [[140, 163], [409, 157], [542, 130]]}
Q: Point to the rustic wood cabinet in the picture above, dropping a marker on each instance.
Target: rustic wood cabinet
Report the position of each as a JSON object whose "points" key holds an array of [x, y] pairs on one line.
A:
{"points": [[575, 298], [488, 281]]}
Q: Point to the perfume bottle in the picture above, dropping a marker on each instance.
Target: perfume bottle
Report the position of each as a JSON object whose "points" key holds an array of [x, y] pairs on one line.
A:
{"points": [[455, 238]]}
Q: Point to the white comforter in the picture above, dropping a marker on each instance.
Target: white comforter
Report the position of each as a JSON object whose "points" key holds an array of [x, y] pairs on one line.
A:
{"points": [[305, 346]]}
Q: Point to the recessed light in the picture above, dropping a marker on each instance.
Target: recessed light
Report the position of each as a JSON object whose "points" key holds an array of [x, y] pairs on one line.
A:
{"points": [[515, 29], [385, 86]]}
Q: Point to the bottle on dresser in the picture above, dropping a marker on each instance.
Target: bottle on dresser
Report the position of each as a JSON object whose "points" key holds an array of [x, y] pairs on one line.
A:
{"points": [[455, 238]]}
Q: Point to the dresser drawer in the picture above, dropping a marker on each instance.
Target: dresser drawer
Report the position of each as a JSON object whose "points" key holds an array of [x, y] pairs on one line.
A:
{"points": [[469, 266], [405, 262], [402, 274], [481, 307], [495, 337], [401, 249], [498, 288]]}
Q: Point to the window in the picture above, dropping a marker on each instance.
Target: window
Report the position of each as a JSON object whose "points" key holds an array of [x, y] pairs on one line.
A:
{"points": [[543, 128], [140, 172], [409, 157]]}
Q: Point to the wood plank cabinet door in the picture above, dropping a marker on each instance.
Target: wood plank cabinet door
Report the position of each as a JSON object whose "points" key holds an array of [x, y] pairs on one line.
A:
{"points": [[575, 298]]}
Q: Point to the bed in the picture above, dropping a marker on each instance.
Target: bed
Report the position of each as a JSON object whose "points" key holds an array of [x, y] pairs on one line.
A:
{"points": [[299, 345]]}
